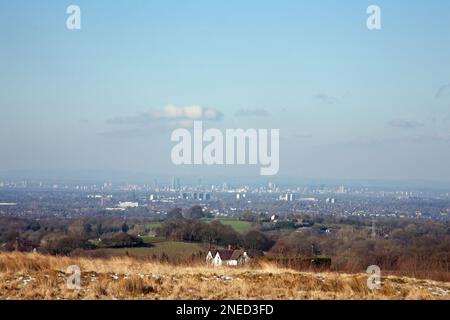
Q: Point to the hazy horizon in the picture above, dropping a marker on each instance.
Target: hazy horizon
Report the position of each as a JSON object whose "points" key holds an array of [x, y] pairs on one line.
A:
{"points": [[120, 177]]}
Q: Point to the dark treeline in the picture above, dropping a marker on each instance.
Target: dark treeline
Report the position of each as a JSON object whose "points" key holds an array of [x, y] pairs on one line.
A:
{"points": [[418, 249], [62, 236]]}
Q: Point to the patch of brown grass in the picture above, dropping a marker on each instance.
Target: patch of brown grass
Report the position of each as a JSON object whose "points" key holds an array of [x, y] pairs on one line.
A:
{"points": [[34, 276]]}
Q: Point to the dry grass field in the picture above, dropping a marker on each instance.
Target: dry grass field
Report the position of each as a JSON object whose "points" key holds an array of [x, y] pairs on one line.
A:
{"points": [[34, 276]]}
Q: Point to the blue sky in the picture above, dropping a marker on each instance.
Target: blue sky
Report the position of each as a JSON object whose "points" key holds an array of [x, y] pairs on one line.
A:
{"points": [[351, 103]]}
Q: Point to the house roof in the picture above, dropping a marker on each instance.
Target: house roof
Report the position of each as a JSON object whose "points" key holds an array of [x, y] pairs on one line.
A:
{"points": [[236, 254], [229, 254], [225, 254]]}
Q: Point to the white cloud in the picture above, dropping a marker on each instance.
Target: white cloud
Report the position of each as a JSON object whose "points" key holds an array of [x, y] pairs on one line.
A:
{"points": [[171, 112], [170, 115]]}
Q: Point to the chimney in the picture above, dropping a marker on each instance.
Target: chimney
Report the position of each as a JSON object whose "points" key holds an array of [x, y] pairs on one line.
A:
{"points": [[230, 247]]}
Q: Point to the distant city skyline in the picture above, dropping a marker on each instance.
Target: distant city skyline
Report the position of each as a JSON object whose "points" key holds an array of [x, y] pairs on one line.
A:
{"points": [[351, 104]]}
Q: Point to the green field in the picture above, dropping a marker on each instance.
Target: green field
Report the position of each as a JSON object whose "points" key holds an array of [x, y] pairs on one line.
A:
{"points": [[237, 225], [153, 240]]}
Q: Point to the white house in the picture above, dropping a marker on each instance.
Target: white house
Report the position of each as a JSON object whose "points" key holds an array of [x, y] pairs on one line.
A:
{"points": [[228, 257]]}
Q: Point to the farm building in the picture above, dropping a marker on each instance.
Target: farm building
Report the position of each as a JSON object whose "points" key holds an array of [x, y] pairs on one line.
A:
{"points": [[229, 257]]}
